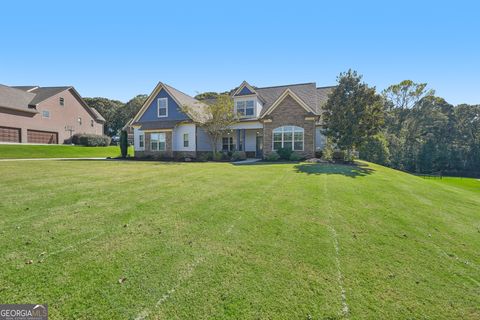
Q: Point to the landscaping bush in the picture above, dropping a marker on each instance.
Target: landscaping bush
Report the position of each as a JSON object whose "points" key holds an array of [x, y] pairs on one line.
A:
{"points": [[284, 153], [375, 149], [318, 154], [90, 140], [205, 156], [295, 157], [338, 156], [124, 143], [217, 156], [273, 156], [239, 155]]}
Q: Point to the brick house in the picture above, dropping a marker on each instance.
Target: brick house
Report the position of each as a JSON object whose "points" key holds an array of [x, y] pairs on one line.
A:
{"points": [[271, 117], [30, 114]]}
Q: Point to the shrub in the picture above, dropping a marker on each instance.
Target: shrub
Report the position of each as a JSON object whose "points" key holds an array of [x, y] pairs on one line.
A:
{"points": [[239, 155], [217, 156], [284, 153], [375, 149], [338, 156], [273, 156], [295, 157], [319, 154], [206, 156], [124, 143], [90, 140]]}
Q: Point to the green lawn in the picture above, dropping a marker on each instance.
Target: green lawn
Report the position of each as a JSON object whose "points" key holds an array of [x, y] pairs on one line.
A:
{"points": [[218, 241], [16, 151], [472, 184]]}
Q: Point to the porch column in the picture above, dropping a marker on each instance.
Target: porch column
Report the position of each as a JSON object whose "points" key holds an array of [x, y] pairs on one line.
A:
{"points": [[238, 140], [244, 141]]}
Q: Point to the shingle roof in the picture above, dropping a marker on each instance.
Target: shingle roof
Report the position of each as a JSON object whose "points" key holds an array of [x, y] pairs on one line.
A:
{"points": [[186, 100], [25, 88], [156, 125], [22, 97], [96, 114], [44, 93], [305, 91], [16, 99]]}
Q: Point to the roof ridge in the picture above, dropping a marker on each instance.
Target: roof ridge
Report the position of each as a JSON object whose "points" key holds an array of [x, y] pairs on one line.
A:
{"points": [[286, 85], [325, 87], [13, 88], [180, 91]]}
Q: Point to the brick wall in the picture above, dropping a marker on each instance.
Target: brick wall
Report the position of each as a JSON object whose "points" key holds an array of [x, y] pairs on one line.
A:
{"points": [[289, 112]]}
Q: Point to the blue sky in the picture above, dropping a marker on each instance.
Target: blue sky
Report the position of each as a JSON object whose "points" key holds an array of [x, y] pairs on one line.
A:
{"points": [[118, 50]]}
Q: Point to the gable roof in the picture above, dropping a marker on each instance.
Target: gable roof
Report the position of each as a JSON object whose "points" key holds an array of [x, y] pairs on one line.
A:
{"points": [[242, 86], [182, 99], [16, 99], [42, 94], [26, 98]]}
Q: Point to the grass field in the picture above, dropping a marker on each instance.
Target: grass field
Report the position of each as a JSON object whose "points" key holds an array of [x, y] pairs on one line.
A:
{"points": [[218, 241], [17, 151]]}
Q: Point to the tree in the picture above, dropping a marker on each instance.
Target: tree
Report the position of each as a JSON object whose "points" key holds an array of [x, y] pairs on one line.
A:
{"points": [[375, 149], [353, 112], [216, 119], [109, 109], [406, 94], [124, 143]]}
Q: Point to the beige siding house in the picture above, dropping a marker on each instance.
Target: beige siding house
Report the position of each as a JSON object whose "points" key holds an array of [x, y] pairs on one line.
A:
{"points": [[30, 114]]}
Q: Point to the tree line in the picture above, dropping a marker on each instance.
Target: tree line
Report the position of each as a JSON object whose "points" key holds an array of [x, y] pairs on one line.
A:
{"points": [[116, 113], [406, 127]]}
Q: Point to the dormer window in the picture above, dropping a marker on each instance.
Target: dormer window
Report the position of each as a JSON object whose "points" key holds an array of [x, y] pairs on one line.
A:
{"points": [[245, 108], [162, 107]]}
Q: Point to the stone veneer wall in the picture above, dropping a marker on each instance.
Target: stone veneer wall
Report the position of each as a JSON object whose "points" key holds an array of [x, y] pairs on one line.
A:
{"points": [[168, 153], [289, 112]]}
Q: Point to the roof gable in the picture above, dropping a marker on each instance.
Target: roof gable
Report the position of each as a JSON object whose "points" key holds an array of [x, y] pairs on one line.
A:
{"points": [[244, 89], [178, 99], [287, 93]]}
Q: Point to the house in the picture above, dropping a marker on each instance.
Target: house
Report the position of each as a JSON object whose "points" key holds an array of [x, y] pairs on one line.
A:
{"points": [[272, 117], [31, 114]]}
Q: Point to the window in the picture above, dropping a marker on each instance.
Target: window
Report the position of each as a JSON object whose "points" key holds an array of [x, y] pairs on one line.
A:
{"points": [[227, 144], [157, 141], [46, 114], [162, 107], [246, 108], [91, 123], [185, 140], [62, 101], [141, 141], [80, 120], [290, 137]]}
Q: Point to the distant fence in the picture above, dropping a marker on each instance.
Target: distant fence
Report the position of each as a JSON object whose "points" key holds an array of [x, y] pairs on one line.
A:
{"points": [[433, 175]]}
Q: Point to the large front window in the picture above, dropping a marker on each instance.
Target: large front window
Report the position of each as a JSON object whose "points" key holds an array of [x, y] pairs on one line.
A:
{"points": [[289, 137], [157, 141], [227, 144], [246, 108]]}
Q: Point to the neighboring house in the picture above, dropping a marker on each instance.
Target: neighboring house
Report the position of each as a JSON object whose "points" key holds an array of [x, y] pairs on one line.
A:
{"points": [[272, 117], [30, 114]]}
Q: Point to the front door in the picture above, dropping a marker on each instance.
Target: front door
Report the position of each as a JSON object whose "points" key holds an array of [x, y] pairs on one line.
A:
{"points": [[259, 152]]}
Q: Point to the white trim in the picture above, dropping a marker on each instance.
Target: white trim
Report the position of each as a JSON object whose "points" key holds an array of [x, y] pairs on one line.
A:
{"points": [[244, 84], [245, 100], [286, 93], [166, 108], [293, 137], [162, 137]]}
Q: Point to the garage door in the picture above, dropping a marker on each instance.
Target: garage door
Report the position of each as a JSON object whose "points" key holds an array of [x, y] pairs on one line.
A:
{"points": [[9, 134], [34, 136]]}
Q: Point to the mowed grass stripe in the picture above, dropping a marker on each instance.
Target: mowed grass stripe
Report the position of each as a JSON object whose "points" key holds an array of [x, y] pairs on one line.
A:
{"points": [[236, 241]]}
